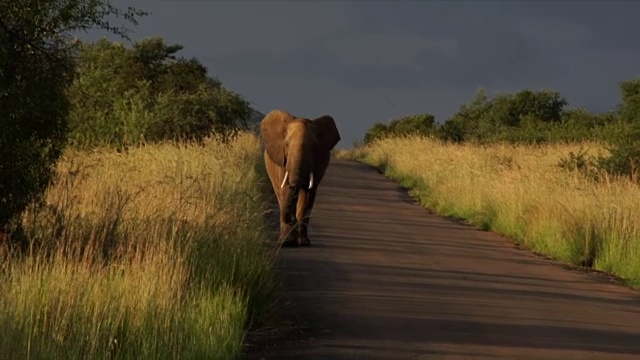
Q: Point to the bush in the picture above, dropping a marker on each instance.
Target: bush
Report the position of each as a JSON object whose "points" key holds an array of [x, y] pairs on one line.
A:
{"points": [[36, 58], [523, 116], [154, 253], [147, 93], [517, 191], [420, 124], [536, 117], [624, 156]]}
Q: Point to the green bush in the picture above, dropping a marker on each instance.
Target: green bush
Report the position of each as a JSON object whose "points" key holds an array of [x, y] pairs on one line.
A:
{"points": [[420, 124], [523, 116], [124, 96], [536, 117], [37, 65], [624, 158], [624, 155]]}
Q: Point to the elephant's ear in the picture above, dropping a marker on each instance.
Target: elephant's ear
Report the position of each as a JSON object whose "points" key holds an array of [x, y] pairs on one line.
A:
{"points": [[326, 132], [272, 131]]}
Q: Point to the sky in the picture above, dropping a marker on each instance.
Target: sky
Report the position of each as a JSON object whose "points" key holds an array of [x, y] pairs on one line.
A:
{"points": [[370, 61]]}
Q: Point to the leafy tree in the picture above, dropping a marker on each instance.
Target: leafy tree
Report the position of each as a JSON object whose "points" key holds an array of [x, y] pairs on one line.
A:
{"points": [[406, 125], [149, 93], [466, 122], [545, 106], [452, 130], [531, 116], [36, 66], [506, 116], [630, 101], [412, 124], [624, 156], [375, 132]]}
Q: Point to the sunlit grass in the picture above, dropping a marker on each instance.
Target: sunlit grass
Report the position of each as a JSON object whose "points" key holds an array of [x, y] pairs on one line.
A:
{"points": [[156, 252], [520, 191]]}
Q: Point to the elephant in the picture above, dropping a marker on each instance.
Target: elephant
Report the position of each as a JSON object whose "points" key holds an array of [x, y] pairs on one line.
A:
{"points": [[297, 153]]}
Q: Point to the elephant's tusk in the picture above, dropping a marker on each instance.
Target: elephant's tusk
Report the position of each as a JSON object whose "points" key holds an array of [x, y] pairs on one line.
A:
{"points": [[311, 180], [284, 181]]}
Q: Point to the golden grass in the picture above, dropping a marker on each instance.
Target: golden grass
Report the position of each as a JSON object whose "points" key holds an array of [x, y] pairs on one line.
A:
{"points": [[153, 253], [521, 192]]}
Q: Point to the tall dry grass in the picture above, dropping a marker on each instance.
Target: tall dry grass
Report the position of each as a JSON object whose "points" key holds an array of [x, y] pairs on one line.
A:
{"points": [[520, 191], [153, 253]]}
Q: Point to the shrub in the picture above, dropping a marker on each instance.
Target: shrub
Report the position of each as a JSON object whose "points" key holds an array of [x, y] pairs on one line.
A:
{"points": [[147, 93], [420, 124], [36, 58], [153, 253], [517, 191], [624, 158]]}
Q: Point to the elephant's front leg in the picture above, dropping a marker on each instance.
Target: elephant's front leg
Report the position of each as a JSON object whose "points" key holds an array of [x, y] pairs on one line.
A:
{"points": [[288, 230], [303, 214]]}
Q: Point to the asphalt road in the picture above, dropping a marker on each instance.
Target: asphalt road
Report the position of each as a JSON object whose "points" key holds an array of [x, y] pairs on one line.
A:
{"points": [[386, 279]]}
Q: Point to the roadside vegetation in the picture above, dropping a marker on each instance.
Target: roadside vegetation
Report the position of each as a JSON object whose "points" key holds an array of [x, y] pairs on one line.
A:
{"points": [[131, 195], [563, 182], [153, 253]]}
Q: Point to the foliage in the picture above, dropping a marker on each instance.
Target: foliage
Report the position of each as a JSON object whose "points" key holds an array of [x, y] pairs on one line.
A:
{"points": [[151, 253], [467, 120], [37, 65], [630, 97], [154, 253], [624, 156], [148, 93], [518, 115], [581, 161], [377, 131], [420, 124], [537, 117], [519, 191], [526, 116]]}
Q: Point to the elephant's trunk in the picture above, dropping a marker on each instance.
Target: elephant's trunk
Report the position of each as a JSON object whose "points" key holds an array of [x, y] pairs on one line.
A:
{"points": [[299, 168]]}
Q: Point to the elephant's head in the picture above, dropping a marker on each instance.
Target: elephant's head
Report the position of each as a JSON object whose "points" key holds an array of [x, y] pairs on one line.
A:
{"points": [[295, 143]]}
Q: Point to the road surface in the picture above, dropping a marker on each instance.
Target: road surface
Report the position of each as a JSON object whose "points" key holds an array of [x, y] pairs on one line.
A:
{"points": [[386, 279]]}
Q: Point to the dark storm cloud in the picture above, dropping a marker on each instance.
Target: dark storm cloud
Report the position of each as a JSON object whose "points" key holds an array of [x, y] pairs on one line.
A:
{"points": [[412, 49], [367, 61], [612, 24], [311, 63]]}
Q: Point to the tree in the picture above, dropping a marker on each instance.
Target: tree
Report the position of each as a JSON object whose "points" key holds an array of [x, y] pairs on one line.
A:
{"points": [[413, 124], [419, 124], [464, 124], [149, 93], [36, 65], [630, 104], [375, 132], [624, 158], [504, 116]]}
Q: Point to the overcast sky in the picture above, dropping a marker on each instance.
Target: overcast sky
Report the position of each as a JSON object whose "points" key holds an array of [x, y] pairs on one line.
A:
{"points": [[368, 61]]}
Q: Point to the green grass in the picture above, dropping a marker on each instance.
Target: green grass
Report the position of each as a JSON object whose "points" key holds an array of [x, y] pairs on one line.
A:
{"points": [[154, 253], [521, 192]]}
